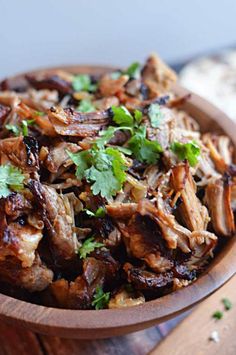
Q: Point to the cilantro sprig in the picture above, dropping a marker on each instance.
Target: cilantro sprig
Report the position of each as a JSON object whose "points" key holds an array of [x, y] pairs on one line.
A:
{"points": [[227, 304], [11, 179], [190, 151], [218, 315], [143, 149], [83, 82], [86, 106], [133, 71], [23, 128], [100, 298], [99, 213], [103, 167], [88, 247]]}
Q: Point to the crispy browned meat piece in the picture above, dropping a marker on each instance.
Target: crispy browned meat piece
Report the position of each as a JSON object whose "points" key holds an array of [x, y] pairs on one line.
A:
{"points": [[79, 293], [68, 122], [41, 120], [20, 241], [200, 243], [220, 151], [193, 213], [34, 278], [109, 87], [53, 82], [174, 234], [123, 298], [15, 205], [57, 218], [218, 200], [21, 152], [106, 102], [146, 280], [57, 156], [4, 111], [157, 283], [121, 210], [144, 241], [157, 76]]}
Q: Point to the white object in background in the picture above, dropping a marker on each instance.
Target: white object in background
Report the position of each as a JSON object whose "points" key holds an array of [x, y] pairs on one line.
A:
{"points": [[214, 78]]}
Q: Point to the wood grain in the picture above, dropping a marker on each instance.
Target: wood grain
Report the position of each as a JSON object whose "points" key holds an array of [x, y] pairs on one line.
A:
{"points": [[104, 323], [192, 335], [17, 341]]}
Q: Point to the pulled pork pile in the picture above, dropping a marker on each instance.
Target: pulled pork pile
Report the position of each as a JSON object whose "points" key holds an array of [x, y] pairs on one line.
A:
{"points": [[109, 193]]}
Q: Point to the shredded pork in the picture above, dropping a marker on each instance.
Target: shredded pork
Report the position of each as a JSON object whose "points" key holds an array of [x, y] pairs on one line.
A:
{"points": [[110, 194]]}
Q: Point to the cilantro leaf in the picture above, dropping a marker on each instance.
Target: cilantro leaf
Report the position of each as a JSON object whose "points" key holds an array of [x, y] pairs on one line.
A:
{"points": [[104, 182], [108, 134], [133, 71], [143, 149], [122, 116], [100, 299], [13, 128], [22, 129], [124, 150], [88, 247], [118, 164], [81, 160], [82, 82], [25, 124], [86, 106], [138, 116], [104, 168], [155, 115], [39, 113], [101, 212], [11, 179], [227, 304], [189, 151], [217, 315]]}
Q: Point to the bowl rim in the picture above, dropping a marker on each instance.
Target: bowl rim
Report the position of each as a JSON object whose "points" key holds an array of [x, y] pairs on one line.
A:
{"points": [[42, 318]]}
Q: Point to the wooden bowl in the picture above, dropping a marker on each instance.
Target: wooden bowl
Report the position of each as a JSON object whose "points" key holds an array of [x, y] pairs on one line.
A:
{"points": [[105, 323]]}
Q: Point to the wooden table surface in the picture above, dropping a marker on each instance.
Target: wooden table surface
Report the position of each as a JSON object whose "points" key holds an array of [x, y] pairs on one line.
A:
{"points": [[187, 334], [16, 341]]}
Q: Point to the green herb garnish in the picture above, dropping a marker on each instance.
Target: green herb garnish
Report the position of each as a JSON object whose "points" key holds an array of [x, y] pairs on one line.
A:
{"points": [[22, 129], [227, 304], [88, 247], [133, 71], [39, 113], [101, 212], [143, 149], [13, 128], [189, 151], [86, 106], [103, 167], [155, 115], [218, 315], [122, 116], [83, 82], [100, 298], [11, 179]]}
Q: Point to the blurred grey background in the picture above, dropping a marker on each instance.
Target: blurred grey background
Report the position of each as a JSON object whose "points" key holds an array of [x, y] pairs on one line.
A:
{"points": [[52, 32]]}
